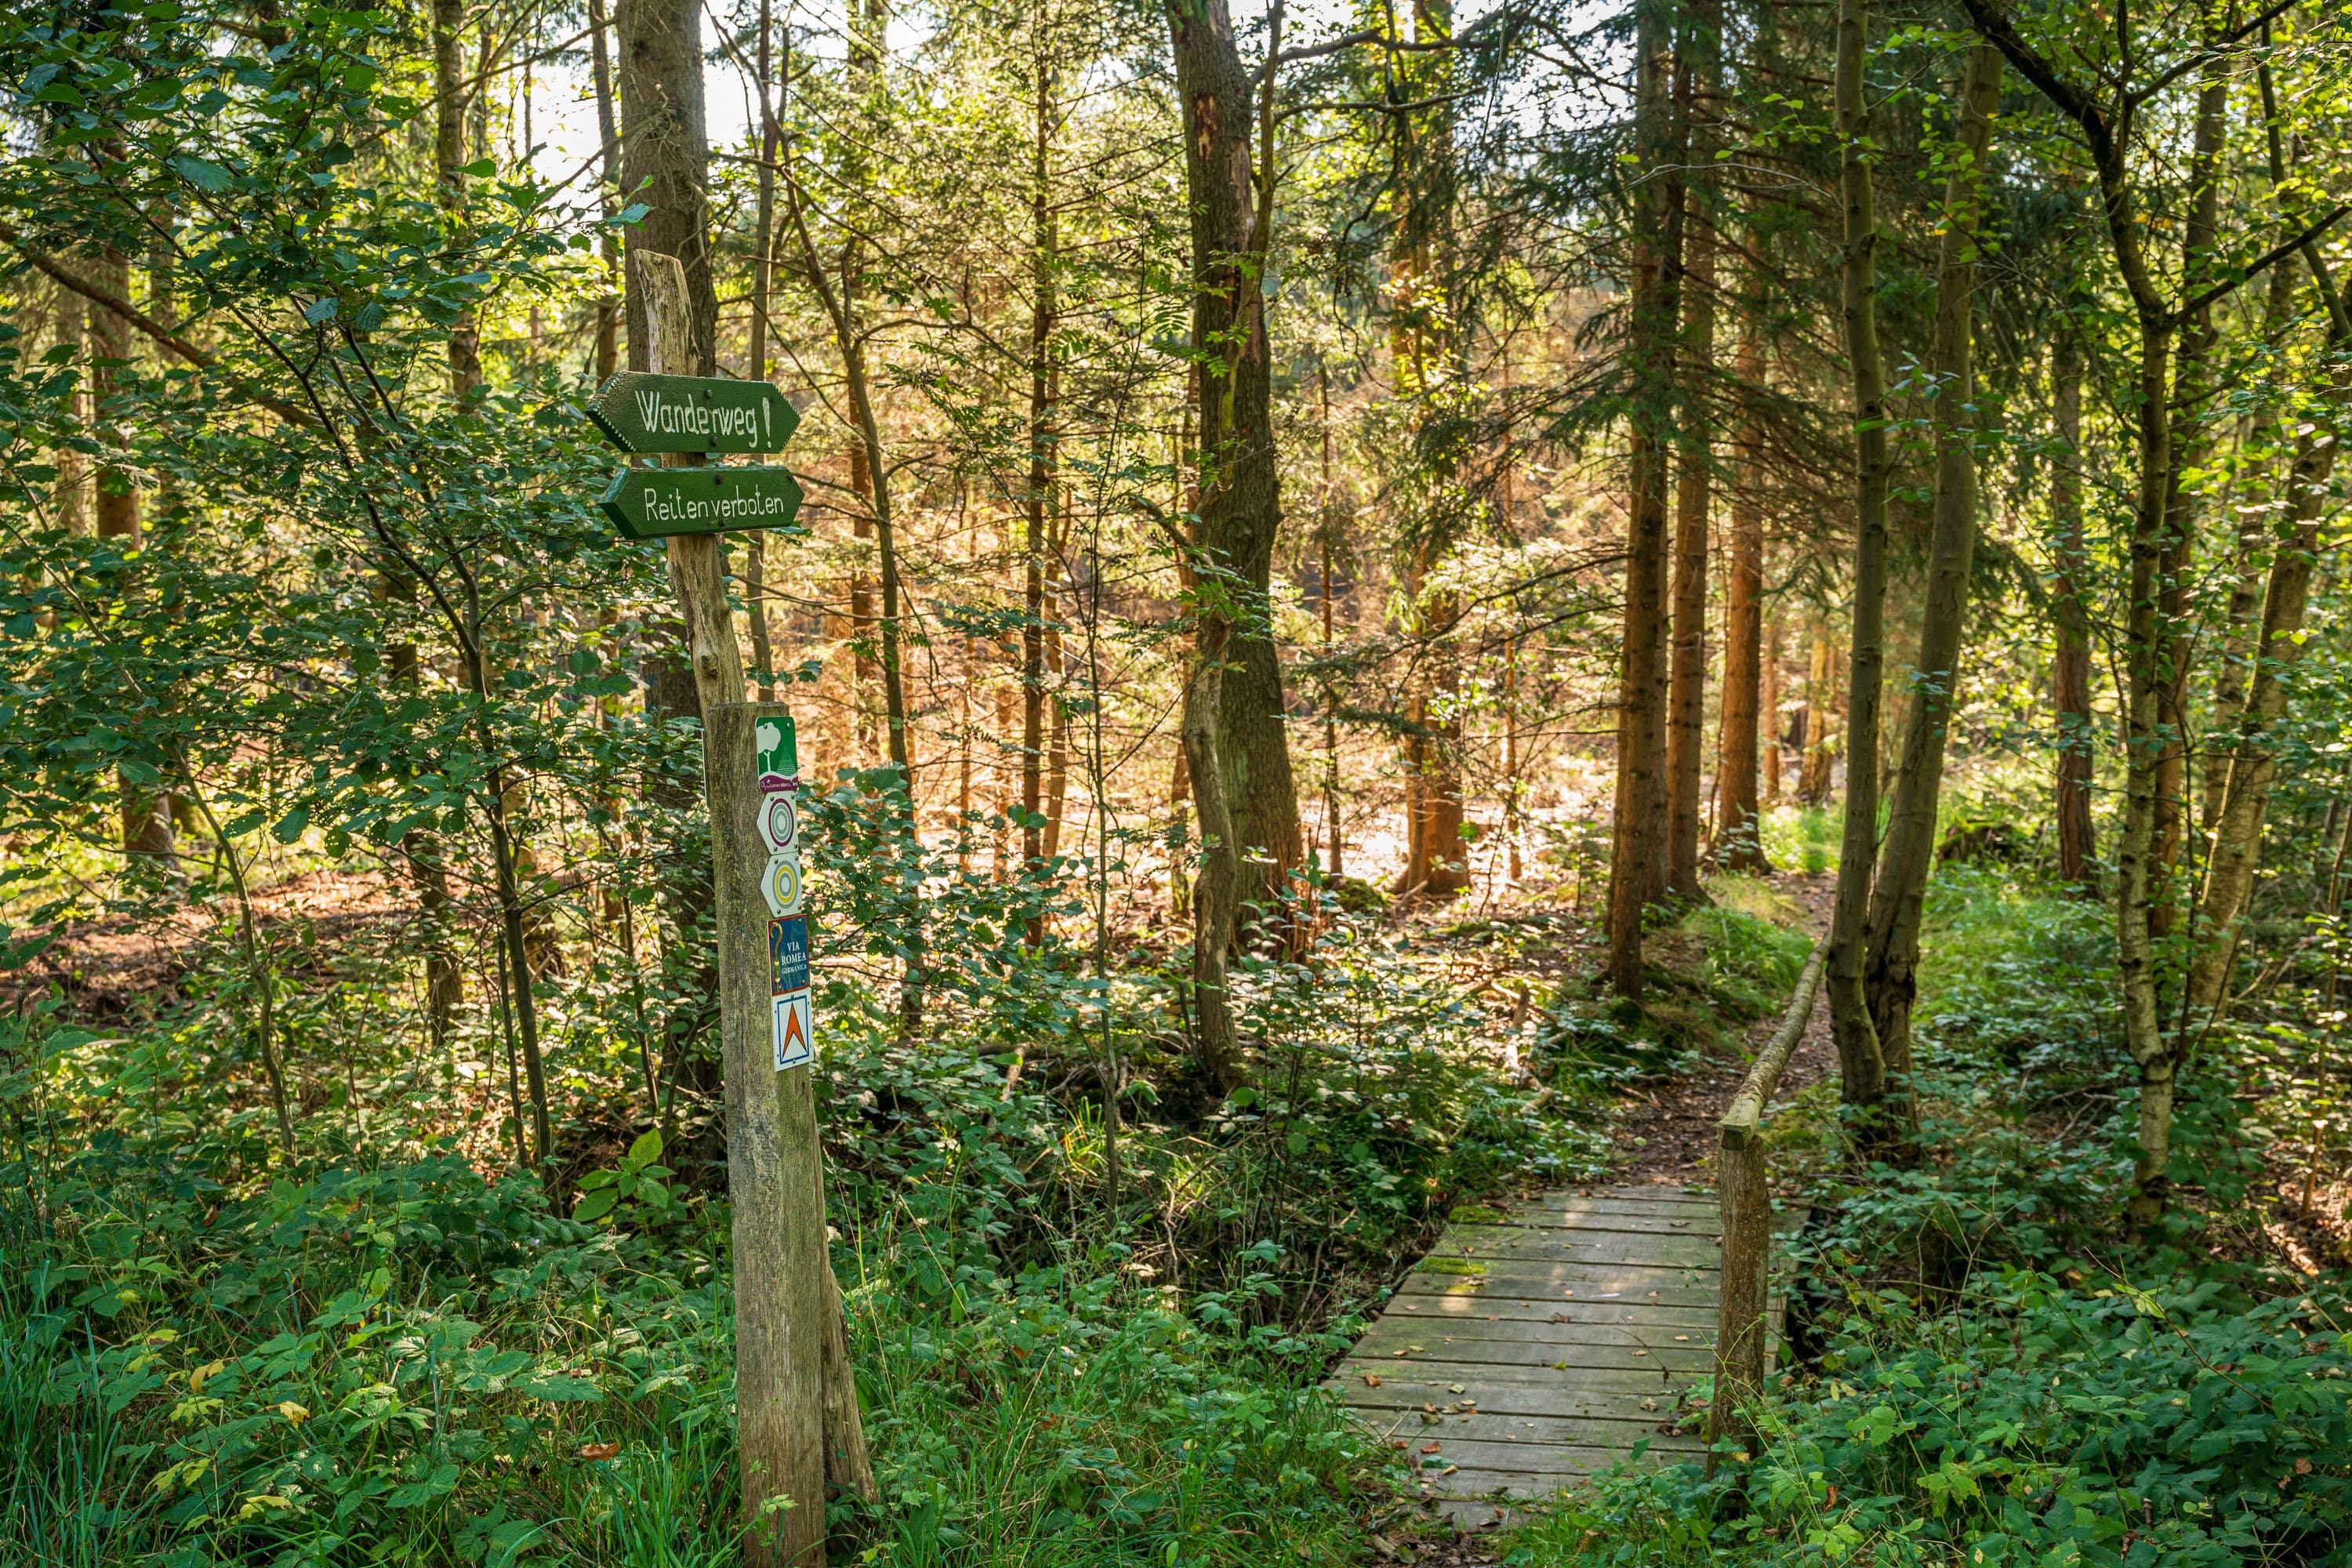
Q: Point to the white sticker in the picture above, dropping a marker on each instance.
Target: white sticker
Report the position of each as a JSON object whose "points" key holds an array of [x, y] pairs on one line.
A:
{"points": [[795, 1030]]}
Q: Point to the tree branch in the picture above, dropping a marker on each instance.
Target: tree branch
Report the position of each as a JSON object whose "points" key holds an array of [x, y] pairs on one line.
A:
{"points": [[162, 334]]}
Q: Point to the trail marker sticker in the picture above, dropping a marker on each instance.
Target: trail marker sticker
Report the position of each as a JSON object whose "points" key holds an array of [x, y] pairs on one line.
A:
{"points": [[782, 885], [788, 955], [795, 1030], [779, 756], [642, 413]]}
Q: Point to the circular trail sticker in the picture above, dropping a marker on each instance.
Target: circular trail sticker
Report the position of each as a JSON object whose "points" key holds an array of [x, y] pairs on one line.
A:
{"points": [[783, 886], [779, 824]]}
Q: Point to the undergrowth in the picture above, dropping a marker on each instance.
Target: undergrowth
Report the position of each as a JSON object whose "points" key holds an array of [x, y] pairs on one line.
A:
{"points": [[391, 1349], [1995, 1376]]}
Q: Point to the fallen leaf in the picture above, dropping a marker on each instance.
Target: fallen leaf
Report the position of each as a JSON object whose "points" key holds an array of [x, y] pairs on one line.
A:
{"points": [[2302, 1467], [1832, 1499], [1371, 1380], [1453, 1388], [600, 1450], [1430, 1448]]}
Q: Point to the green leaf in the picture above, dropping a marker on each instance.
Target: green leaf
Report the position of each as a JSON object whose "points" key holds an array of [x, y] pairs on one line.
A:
{"points": [[645, 1150], [203, 173], [594, 1206], [290, 826], [560, 1388]]}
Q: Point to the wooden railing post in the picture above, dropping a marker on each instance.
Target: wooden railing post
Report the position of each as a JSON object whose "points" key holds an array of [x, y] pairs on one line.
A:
{"points": [[1742, 1180]]}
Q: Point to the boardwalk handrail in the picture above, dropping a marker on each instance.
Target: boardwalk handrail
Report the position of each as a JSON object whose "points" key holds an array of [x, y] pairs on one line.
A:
{"points": [[1740, 1179]]}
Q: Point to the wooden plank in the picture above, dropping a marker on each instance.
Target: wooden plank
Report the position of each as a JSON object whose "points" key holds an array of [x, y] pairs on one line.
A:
{"points": [[1633, 1197], [1469, 1483], [1578, 1245], [1573, 1281], [1557, 1459], [1442, 1379], [1487, 1307], [1393, 1334], [1627, 1356], [1541, 1219], [1394, 1399], [1415, 1430]]}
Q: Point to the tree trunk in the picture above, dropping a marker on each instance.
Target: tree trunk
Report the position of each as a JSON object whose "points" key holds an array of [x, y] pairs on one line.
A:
{"points": [[2243, 620], [1037, 505], [1891, 960], [2253, 763], [1861, 1068], [608, 245], [764, 269], [2070, 692], [755, 1102], [1637, 840], [2193, 390], [1749, 692], [1767, 707], [1816, 760], [146, 813], [449, 101], [1693, 479], [1230, 197], [2236, 855], [1213, 888], [1334, 828], [666, 161]]}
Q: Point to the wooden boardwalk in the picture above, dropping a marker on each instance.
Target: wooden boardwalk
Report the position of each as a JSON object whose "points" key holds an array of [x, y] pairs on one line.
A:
{"points": [[1520, 1355]]}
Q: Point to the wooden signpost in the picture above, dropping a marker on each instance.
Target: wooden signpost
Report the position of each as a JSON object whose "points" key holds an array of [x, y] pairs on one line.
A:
{"points": [[797, 1420]]}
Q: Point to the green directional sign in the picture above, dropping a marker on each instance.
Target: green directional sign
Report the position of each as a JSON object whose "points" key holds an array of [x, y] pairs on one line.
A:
{"points": [[641, 412], [651, 503]]}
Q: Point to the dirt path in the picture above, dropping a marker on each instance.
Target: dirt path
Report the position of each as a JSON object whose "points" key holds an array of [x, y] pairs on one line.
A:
{"points": [[1670, 1141]]}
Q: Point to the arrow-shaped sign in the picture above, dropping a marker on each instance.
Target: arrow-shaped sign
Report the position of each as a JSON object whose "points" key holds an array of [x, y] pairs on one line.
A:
{"points": [[650, 503], [641, 412]]}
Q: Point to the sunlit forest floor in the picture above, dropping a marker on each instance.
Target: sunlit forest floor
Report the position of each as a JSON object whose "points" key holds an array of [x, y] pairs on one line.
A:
{"points": [[396, 1347]]}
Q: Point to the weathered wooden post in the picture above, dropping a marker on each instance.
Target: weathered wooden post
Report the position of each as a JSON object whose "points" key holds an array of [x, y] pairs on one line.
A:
{"points": [[1742, 1182], [796, 1402], [775, 1169]]}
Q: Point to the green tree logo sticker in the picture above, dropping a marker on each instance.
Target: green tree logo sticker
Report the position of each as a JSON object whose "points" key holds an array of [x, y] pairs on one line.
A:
{"points": [[779, 756]]}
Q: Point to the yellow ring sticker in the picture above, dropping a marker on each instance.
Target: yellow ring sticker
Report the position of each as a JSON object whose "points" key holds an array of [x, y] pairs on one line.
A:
{"points": [[782, 886]]}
